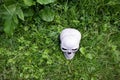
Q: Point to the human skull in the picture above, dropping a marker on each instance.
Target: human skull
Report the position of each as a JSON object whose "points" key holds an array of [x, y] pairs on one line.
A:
{"points": [[70, 39]]}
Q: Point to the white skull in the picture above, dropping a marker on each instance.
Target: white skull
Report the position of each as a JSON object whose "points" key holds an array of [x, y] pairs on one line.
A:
{"points": [[70, 39]]}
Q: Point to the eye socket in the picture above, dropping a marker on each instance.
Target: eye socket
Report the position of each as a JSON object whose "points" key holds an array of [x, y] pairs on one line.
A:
{"points": [[64, 49], [74, 49]]}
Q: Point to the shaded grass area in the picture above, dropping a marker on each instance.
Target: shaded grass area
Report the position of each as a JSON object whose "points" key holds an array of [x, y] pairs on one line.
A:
{"points": [[33, 51]]}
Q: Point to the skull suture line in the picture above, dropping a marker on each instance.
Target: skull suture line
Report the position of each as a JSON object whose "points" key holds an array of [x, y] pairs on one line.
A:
{"points": [[70, 39]]}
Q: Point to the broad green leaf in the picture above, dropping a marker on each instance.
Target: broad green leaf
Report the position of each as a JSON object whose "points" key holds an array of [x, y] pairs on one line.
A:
{"points": [[9, 26], [12, 61], [20, 13], [29, 2], [82, 50], [10, 9], [45, 1], [15, 19], [90, 56], [45, 54], [47, 14]]}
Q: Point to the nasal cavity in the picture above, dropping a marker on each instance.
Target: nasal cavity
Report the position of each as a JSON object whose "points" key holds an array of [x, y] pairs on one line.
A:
{"points": [[69, 52]]}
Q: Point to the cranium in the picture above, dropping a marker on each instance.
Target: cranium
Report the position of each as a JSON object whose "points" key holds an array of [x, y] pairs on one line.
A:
{"points": [[70, 39]]}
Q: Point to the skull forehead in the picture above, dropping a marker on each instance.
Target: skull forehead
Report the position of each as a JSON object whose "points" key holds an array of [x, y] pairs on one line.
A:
{"points": [[70, 32], [70, 43]]}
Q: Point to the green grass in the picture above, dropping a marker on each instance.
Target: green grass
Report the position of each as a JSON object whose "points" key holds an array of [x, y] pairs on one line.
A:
{"points": [[33, 52]]}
